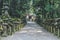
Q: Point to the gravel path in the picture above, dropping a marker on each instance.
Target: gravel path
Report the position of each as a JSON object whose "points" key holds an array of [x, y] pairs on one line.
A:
{"points": [[32, 31]]}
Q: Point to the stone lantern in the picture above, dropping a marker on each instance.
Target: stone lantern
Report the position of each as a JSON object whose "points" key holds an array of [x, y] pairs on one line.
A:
{"points": [[5, 17]]}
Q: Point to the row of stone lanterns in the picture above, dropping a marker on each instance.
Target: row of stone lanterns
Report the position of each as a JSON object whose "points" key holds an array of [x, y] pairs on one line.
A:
{"points": [[9, 25]]}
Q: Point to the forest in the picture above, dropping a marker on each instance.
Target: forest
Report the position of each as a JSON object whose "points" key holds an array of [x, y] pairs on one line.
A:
{"points": [[13, 15]]}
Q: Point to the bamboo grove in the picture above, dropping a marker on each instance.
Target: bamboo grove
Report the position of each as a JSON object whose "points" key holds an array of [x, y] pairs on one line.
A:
{"points": [[48, 14]]}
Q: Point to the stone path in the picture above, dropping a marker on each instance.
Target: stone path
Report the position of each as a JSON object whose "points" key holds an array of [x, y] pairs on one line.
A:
{"points": [[32, 31]]}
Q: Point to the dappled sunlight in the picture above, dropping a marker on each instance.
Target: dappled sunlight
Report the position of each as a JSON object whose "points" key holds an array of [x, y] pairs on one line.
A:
{"points": [[39, 31], [29, 19], [31, 31], [30, 22], [23, 31]]}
